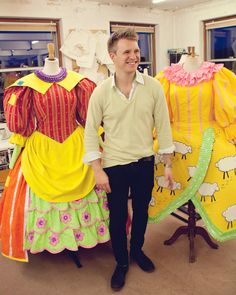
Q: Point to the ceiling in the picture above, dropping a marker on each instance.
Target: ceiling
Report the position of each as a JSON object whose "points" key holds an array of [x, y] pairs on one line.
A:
{"points": [[164, 5]]}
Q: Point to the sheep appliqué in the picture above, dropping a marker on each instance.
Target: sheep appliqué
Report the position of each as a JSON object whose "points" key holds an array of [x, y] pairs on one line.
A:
{"points": [[227, 164], [182, 149], [161, 182], [208, 189], [230, 215], [191, 171]]}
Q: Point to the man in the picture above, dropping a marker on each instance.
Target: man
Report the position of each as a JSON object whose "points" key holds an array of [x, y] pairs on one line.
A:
{"points": [[130, 105]]}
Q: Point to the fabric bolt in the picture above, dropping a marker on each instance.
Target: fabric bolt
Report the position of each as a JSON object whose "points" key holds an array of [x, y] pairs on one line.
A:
{"points": [[50, 202], [202, 108]]}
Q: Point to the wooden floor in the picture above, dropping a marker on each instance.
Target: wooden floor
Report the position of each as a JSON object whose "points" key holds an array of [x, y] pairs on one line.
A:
{"points": [[214, 272]]}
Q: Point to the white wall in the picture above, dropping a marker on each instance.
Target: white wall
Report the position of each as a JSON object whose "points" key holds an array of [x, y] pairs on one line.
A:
{"points": [[174, 30], [90, 15], [188, 29]]}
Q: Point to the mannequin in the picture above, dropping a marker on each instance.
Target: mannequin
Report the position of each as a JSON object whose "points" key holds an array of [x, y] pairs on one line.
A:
{"points": [[56, 193], [51, 64], [182, 59], [191, 61], [201, 101]]}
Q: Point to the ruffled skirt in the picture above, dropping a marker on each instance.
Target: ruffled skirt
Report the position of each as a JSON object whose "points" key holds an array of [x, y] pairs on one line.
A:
{"points": [[29, 223]]}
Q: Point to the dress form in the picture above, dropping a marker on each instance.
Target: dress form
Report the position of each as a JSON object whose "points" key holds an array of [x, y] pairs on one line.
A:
{"points": [[191, 62], [182, 59], [51, 65]]}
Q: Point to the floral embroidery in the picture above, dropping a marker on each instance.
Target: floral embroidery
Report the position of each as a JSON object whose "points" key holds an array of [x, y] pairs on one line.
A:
{"points": [[54, 240], [101, 230], [97, 190], [66, 217], [41, 222], [105, 205], [78, 201], [79, 235], [86, 216], [30, 237]]}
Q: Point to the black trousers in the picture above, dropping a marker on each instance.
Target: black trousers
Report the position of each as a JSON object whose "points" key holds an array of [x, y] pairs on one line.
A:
{"points": [[139, 176]]}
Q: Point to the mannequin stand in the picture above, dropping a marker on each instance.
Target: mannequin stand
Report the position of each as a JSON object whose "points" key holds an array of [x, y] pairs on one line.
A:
{"points": [[191, 230], [74, 257]]}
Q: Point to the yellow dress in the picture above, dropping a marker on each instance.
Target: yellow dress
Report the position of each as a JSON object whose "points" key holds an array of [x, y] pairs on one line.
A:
{"points": [[202, 108]]}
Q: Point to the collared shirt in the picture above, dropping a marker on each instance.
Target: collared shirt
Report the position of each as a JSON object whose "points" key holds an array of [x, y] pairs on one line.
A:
{"points": [[137, 79]]}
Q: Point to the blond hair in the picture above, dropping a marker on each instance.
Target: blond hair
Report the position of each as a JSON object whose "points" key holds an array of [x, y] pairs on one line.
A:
{"points": [[128, 34]]}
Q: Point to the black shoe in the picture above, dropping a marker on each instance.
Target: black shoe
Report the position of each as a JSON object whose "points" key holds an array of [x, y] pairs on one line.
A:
{"points": [[118, 277], [143, 261]]}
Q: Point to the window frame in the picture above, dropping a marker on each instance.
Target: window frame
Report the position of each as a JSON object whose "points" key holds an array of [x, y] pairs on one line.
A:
{"points": [[32, 24], [221, 22]]}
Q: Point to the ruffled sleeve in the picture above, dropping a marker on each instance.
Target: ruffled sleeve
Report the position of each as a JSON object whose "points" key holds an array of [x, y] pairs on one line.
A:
{"points": [[224, 86], [83, 91], [166, 87], [18, 110]]}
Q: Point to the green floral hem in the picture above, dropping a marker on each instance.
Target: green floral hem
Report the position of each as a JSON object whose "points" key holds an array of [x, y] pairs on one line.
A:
{"points": [[69, 225], [212, 229], [70, 239]]}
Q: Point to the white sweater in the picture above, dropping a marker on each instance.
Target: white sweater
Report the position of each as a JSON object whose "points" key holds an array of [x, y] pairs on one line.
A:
{"points": [[128, 124]]}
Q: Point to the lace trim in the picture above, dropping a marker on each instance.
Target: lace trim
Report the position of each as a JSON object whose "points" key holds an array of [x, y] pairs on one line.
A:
{"points": [[177, 75]]}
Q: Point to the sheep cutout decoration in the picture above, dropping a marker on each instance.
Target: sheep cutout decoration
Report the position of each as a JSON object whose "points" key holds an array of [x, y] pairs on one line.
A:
{"points": [[230, 215]]}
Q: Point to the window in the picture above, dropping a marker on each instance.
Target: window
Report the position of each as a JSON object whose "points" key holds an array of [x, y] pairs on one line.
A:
{"points": [[220, 36], [23, 48], [146, 44]]}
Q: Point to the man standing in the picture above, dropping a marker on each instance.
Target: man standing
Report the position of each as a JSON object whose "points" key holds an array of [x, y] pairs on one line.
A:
{"points": [[130, 105]]}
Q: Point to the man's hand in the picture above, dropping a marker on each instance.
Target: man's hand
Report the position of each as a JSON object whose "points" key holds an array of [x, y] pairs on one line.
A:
{"points": [[169, 177], [168, 171], [101, 178]]}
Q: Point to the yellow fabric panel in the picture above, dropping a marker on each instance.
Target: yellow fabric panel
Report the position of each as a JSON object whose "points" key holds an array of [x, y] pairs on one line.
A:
{"points": [[71, 80], [55, 171], [225, 101], [230, 132], [32, 81], [12, 99], [18, 139]]}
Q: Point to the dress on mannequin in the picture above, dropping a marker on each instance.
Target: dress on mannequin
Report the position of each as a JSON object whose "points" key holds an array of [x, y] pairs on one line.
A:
{"points": [[50, 201], [202, 107]]}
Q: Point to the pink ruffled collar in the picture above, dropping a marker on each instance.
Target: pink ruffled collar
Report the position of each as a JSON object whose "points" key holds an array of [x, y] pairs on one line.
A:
{"points": [[177, 75]]}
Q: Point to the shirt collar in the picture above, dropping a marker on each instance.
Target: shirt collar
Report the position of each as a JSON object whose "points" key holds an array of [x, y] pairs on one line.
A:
{"points": [[138, 79]]}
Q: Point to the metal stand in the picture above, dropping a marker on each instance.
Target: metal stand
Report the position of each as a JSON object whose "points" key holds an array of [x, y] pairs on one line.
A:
{"points": [[73, 255], [191, 230]]}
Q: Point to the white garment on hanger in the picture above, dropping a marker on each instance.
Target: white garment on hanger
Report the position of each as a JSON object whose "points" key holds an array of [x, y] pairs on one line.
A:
{"points": [[81, 46]]}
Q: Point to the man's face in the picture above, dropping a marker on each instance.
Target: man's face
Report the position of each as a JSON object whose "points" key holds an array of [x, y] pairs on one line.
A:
{"points": [[127, 56]]}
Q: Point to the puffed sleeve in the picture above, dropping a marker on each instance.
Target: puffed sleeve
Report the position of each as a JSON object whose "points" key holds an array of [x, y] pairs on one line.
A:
{"points": [[18, 110], [166, 87], [224, 86], [84, 90]]}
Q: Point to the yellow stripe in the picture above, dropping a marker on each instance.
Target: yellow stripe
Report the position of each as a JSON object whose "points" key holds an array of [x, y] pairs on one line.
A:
{"points": [[17, 259]]}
